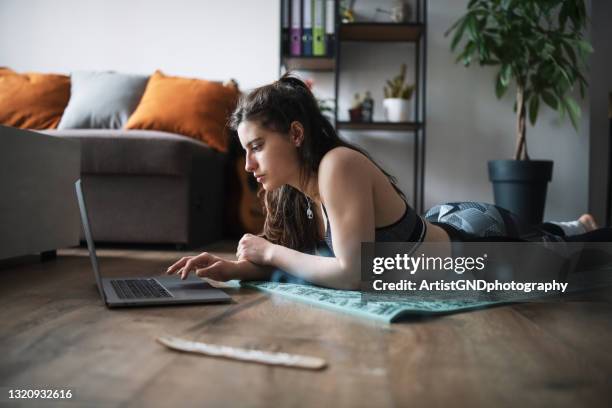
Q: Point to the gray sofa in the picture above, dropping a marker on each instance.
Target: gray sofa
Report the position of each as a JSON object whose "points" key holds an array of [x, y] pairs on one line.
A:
{"points": [[148, 187]]}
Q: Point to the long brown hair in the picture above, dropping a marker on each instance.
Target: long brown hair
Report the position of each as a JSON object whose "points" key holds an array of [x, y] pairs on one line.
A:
{"points": [[275, 107]]}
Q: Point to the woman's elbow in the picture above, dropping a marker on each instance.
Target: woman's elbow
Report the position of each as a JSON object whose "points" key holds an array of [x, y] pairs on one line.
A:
{"points": [[351, 277]]}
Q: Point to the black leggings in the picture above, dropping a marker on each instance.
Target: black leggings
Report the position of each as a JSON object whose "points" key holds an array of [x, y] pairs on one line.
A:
{"points": [[471, 221]]}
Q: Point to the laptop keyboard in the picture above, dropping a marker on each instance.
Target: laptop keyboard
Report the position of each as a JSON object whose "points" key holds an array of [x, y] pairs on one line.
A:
{"points": [[139, 289]]}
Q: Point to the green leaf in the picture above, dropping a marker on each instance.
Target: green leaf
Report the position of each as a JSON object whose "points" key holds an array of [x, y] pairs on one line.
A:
{"points": [[489, 62], [534, 105], [453, 26], [500, 88], [546, 50], [563, 16], [458, 35], [466, 55], [482, 23], [472, 29], [561, 78], [581, 12], [562, 111], [584, 47], [573, 109], [569, 51], [550, 100], [505, 74]]}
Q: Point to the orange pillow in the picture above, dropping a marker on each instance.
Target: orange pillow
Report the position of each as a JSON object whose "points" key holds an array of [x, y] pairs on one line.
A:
{"points": [[191, 107], [31, 100]]}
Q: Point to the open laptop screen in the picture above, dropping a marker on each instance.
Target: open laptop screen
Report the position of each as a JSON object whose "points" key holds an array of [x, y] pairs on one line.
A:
{"points": [[88, 237]]}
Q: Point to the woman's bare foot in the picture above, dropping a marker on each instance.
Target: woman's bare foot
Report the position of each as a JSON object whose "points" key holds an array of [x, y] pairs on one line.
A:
{"points": [[588, 221]]}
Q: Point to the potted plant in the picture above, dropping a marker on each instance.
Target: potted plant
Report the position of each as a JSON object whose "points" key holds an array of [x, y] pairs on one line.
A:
{"points": [[396, 104], [539, 47]]}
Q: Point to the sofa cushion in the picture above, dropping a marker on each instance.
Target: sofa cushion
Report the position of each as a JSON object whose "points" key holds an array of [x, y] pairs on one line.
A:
{"points": [[136, 152], [186, 106], [102, 100], [31, 100]]}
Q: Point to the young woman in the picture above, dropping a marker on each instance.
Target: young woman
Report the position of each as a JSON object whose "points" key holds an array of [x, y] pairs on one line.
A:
{"points": [[318, 186]]}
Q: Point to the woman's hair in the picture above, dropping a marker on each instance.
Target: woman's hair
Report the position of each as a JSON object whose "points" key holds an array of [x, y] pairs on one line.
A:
{"points": [[275, 107]]}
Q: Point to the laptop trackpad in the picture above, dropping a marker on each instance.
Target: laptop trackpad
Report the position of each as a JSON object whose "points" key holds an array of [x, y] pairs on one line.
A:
{"points": [[191, 284]]}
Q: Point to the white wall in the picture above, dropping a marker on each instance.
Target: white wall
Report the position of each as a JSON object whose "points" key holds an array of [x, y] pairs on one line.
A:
{"points": [[219, 39], [209, 39]]}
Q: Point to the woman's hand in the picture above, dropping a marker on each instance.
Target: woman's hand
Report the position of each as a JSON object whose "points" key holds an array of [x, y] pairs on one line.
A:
{"points": [[205, 265], [255, 249]]}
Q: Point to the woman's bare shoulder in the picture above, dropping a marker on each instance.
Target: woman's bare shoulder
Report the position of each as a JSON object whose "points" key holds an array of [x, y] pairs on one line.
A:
{"points": [[343, 169], [343, 158]]}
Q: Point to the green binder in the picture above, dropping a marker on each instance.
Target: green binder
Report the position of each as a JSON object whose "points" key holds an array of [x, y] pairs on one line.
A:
{"points": [[318, 28]]}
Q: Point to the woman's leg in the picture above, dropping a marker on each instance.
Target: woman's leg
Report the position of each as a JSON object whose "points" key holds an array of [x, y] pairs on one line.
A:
{"points": [[598, 235], [476, 220], [584, 224]]}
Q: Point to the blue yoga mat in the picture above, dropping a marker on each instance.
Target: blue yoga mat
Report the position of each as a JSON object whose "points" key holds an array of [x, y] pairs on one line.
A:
{"points": [[352, 302]]}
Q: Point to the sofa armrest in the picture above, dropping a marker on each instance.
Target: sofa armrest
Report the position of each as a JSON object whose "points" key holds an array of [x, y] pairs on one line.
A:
{"points": [[38, 209]]}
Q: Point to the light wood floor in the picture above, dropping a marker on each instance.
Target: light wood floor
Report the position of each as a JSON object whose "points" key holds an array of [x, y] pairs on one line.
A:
{"points": [[55, 332]]}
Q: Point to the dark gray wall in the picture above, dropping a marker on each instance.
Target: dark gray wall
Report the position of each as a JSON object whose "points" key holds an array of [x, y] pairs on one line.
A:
{"points": [[601, 87]]}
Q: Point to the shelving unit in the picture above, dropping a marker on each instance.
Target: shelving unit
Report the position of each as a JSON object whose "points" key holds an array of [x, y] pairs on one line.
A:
{"points": [[309, 63], [388, 126], [414, 32], [384, 32]]}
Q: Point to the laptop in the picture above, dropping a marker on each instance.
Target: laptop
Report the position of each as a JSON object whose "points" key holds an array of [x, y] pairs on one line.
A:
{"points": [[148, 291]]}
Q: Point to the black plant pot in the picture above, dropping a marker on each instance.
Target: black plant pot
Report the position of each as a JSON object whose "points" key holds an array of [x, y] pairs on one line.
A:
{"points": [[520, 186]]}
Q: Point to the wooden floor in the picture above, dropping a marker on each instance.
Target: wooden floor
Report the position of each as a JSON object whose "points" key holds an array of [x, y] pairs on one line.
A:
{"points": [[56, 333]]}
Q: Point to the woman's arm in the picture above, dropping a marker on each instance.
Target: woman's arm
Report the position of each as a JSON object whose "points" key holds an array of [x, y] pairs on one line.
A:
{"points": [[246, 270], [207, 265], [320, 270], [345, 186]]}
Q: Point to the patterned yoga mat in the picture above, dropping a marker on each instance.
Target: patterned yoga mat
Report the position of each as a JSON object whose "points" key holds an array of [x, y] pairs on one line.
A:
{"points": [[353, 303]]}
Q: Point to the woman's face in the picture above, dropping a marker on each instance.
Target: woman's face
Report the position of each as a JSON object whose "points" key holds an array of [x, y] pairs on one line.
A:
{"points": [[271, 156]]}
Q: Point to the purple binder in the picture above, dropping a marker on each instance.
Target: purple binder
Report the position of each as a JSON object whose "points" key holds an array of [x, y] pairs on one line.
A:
{"points": [[296, 28]]}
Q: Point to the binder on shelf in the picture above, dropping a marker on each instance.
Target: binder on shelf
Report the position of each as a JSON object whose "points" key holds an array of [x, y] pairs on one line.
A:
{"points": [[330, 27], [307, 27], [285, 27], [318, 28], [296, 28]]}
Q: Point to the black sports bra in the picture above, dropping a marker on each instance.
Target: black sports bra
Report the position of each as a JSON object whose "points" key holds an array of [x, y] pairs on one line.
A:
{"points": [[409, 228]]}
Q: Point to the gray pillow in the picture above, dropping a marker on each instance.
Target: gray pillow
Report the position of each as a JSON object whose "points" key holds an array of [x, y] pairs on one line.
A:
{"points": [[102, 99]]}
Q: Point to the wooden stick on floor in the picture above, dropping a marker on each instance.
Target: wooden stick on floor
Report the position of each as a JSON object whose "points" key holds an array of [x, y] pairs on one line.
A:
{"points": [[242, 354]]}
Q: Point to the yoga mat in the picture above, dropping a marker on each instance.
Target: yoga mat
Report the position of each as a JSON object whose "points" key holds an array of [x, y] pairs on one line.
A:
{"points": [[351, 302]]}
